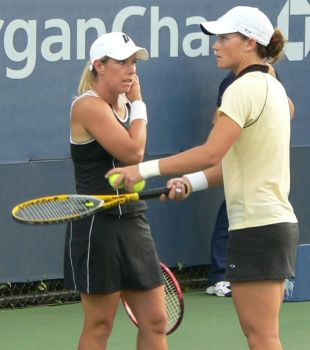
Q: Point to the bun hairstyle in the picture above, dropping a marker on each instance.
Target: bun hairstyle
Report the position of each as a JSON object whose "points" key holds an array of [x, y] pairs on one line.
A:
{"points": [[274, 50]]}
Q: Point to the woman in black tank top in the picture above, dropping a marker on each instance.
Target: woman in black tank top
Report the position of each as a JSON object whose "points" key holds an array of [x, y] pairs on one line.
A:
{"points": [[112, 253]]}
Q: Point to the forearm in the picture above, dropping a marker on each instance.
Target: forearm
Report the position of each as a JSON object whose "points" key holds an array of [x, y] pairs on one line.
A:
{"points": [[201, 180], [137, 132], [214, 175], [192, 160]]}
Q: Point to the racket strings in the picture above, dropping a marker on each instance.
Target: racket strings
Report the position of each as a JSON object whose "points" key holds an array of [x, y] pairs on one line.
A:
{"points": [[56, 209], [172, 301]]}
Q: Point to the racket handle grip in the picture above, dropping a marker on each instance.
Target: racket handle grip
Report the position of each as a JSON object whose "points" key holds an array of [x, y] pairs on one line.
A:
{"points": [[153, 193], [156, 192]]}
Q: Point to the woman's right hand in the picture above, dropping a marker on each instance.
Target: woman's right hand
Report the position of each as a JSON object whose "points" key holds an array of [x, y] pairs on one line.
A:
{"points": [[135, 91], [180, 188]]}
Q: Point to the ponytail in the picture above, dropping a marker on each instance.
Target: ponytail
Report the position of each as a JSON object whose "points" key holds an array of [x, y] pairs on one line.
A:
{"points": [[86, 81], [88, 77], [274, 50]]}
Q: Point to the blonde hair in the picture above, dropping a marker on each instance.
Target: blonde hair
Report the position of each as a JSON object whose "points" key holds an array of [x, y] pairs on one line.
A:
{"points": [[88, 77], [86, 81]]}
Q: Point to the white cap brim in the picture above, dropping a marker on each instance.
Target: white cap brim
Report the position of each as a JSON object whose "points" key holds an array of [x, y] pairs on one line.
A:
{"points": [[140, 52], [216, 27], [249, 21]]}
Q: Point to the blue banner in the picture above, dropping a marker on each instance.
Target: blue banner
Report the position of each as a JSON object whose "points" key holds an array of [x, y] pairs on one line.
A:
{"points": [[44, 48]]}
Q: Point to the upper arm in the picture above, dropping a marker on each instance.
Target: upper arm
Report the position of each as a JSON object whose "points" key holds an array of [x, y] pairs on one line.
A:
{"points": [[222, 136], [94, 118]]}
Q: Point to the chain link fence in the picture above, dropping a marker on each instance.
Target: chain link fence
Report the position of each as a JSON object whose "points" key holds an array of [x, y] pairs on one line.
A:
{"points": [[52, 292]]}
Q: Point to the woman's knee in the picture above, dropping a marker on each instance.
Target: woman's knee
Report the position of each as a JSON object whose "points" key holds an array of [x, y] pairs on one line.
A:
{"points": [[100, 327], [260, 337], [155, 323]]}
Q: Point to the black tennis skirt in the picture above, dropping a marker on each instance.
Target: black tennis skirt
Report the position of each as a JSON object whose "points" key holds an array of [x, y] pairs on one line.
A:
{"points": [[105, 254], [262, 253]]}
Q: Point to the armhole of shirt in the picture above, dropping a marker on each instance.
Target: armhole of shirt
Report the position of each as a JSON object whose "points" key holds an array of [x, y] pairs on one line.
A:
{"points": [[86, 93]]}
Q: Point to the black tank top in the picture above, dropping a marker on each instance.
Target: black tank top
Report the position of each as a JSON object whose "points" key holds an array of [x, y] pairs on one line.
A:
{"points": [[91, 162]]}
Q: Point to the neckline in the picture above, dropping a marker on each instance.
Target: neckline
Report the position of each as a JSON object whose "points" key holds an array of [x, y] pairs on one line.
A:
{"points": [[254, 68], [125, 118]]}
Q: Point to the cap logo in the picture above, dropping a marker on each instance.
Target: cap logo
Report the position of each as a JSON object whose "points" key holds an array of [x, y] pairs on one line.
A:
{"points": [[126, 39], [247, 30]]}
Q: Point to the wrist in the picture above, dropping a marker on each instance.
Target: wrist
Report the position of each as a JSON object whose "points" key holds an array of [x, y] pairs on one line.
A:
{"points": [[149, 169], [138, 111], [198, 181]]}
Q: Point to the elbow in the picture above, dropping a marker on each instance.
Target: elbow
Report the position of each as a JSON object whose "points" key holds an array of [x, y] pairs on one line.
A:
{"points": [[209, 156], [134, 157], [213, 160], [137, 158]]}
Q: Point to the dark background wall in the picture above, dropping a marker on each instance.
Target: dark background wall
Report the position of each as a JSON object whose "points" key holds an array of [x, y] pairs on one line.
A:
{"points": [[43, 49]]}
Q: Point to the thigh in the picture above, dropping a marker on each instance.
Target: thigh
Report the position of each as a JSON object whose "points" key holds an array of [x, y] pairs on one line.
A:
{"points": [[258, 304], [147, 304], [100, 307]]}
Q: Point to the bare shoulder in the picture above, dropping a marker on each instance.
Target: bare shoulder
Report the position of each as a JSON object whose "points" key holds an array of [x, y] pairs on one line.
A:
{"points": [[90, 106]]}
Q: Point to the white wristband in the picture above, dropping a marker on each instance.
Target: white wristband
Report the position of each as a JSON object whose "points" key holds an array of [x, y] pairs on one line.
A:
{"points": [[197, 180], [149, 168], [138, 111]]}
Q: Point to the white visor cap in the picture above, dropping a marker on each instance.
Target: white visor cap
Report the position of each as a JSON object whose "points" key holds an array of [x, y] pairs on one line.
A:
{"points": [[115, 45], [249, 21]]}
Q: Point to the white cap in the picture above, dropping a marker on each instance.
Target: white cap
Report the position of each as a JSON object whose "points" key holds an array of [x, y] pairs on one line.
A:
{"points": [[249, 21], [115, 45]]}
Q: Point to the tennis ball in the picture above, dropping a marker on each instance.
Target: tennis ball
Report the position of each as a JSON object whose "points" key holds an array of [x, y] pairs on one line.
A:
{"points": [[139, 186], [112, 180]]}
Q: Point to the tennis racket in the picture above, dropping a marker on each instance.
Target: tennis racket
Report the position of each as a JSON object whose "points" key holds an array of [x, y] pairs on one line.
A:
{"points": [[70, 207], [174, 301]]}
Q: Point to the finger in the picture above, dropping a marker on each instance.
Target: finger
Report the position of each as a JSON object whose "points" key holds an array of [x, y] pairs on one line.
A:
{"points": [[163, 198], [119, 180], [169, 183], [179, 187], [129, 183], [172, 182], [173, 194], [112, 171], [178, 190]]}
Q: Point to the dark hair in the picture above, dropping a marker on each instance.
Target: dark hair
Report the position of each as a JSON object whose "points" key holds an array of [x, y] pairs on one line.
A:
{"points": [[274, 50]]}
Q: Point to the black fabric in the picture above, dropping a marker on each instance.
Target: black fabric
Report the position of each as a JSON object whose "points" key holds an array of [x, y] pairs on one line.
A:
{"points": [[262, 253], [91, 162], [223, 86], [106, 254], [254, 68]]}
